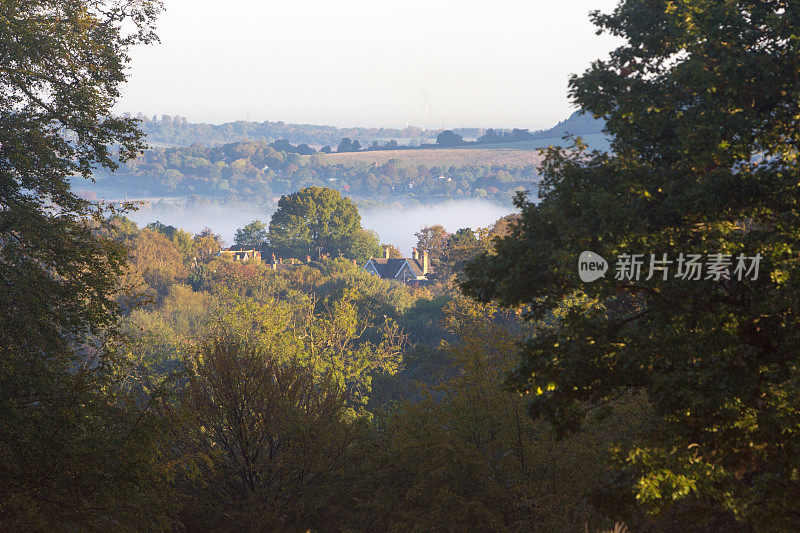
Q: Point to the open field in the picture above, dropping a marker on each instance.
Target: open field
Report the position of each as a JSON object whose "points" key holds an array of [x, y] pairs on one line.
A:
{"points": [[439, 157], [596, 141], [513, 154]]}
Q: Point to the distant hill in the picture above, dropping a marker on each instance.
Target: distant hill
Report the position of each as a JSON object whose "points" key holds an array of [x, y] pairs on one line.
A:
{"points": [[177, 131], [595, 141], [579, 123]]}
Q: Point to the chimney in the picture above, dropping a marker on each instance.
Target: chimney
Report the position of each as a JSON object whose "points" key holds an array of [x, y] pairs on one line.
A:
{"points": [[414, 254], [425, 263], [386, 252]]}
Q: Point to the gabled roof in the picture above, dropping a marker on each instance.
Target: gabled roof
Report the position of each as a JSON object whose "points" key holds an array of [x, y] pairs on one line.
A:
{"points": [[415, 265], [386, 268], [391, 268]]}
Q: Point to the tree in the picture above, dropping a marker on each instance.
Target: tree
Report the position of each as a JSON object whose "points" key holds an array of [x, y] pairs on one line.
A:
{"points": [[160, 227], [76, 455], [346, 145], [503, 226], [432, 239], [393, 251], [491, 136], [207, 245], [460, 247], [154, 260], [702, 110], [317, 221], [449, 138], [363, 246], [253, 234], [464, 456], [304, 149], [262, 440]]}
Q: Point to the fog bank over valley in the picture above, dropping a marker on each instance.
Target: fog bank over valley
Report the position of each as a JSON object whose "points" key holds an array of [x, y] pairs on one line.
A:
{"points": [[223, 219], [398, 225], [394, 225]]}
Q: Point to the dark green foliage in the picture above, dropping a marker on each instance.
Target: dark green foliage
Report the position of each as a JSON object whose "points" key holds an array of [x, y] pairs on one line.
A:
{"points": [[346, 145], [504, 136], [76, 453], [702, 101], [463, 455], [449, 138]]}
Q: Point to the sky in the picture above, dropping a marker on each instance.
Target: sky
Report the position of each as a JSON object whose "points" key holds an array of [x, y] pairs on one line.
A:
{"points": [[429, 63]]}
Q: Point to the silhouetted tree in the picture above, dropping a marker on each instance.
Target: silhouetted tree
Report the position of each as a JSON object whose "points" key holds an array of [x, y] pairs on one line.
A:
{"points": [[449, 138]]}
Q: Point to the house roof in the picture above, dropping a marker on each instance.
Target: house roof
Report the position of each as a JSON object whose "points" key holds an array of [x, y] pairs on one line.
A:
{"points": [[390, 268]]}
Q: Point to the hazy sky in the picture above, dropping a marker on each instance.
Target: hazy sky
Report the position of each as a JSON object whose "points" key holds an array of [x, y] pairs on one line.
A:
{"points": [[367, 63]]}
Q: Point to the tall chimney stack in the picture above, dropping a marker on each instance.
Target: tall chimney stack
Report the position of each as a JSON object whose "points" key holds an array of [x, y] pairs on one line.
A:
{"points": [[414, 254], [425, 263], [386, 252]]}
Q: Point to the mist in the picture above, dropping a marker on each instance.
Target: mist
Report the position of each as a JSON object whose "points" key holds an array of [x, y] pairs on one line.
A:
{"points": [[397, 226], [222, 219], [394, 225]]}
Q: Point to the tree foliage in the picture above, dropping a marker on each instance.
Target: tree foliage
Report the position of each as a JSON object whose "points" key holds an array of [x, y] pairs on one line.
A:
{"points": [[425, 439], [432, 239], [702, 101], [317, 221], [261, 439], [449, 138], [76, 452], [466, 457], [255, 172], [253, 234]]}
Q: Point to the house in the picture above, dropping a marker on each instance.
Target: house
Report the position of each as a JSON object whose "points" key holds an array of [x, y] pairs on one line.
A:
{"points": [[248, 253], [241, 253], [412, 270]]}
